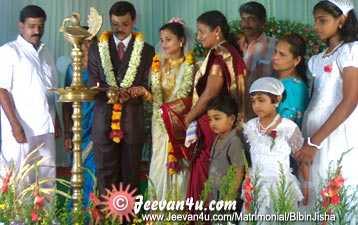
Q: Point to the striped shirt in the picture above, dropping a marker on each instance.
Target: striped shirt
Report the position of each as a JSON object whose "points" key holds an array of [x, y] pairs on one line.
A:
{"points": [[257, 56]]}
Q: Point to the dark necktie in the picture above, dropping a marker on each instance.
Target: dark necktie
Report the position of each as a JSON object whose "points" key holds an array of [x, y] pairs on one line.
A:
{"points": [[120, 50]]}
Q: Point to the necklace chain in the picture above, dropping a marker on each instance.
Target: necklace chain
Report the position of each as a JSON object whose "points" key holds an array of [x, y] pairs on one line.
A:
{"points": [[263, 129], [171, 69], [333, 50]]}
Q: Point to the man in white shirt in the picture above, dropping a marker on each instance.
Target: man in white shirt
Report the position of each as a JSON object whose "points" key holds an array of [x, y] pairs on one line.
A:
{"points": [[28, 113]]}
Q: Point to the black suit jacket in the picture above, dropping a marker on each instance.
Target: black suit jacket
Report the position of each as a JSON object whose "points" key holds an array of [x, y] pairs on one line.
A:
{"points": [[132, 121]]}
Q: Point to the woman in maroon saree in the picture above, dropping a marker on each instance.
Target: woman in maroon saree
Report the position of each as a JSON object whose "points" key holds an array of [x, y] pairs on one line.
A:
{"points": [[222, 73]]}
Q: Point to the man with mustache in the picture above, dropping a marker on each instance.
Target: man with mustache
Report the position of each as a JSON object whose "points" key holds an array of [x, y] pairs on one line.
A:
{"points": [[28, 114], [256, 46], [121, 60]]}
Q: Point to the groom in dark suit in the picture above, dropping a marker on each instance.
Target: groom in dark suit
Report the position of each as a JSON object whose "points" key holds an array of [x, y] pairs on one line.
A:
{"points": [[119, 162]]}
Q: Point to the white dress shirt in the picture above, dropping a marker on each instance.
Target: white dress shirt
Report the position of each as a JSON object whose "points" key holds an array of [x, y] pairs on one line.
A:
{"points": [[27, 73]]}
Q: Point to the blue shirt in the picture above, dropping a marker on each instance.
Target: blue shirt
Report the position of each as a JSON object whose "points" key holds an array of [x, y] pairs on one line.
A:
{"points": [[296, 101]]}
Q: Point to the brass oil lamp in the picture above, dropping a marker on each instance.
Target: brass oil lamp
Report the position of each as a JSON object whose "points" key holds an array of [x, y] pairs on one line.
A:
{"points": [[77, 92]]}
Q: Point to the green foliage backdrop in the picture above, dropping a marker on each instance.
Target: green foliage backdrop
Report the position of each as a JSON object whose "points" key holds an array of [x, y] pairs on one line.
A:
{"points": [[277, 28]]}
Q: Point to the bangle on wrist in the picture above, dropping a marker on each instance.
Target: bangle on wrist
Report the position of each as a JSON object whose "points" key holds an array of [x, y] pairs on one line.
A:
{"points": [[313, 145], [306, 184], [147, 96]]}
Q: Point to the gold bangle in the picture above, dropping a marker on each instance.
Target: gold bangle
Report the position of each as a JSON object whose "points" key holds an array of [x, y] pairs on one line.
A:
{"points": [[147, 96]]}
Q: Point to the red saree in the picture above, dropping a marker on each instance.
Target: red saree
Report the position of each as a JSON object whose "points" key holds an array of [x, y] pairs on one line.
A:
{"points": [[233, 68]]}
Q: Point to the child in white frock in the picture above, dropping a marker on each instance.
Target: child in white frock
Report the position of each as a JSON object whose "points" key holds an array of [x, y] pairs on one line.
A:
{"points": [[272, 139]]}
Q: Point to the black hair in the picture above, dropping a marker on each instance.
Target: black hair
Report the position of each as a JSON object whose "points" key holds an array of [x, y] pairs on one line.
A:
{"points": [[297, 48], [214, 19], [176, 28], [272, 97], [225, 104], [32, 11], [349, 29], [254, 8], [121, 8]]}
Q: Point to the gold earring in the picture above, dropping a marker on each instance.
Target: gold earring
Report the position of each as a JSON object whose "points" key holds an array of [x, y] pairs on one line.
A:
{"points": [[181, 44], [340, 26], [217, 37]]}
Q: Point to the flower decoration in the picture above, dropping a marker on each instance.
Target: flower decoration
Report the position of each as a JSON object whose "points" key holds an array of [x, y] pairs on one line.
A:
{"points": [[251, 188], [116, 134], [247, 188], [133, 62], [190, 58], [105, 36], [177, 20], [34, 216], [327, 68], [38, 202], [5, 183], [156, 64], [337, 199], [331, 193], [23, 203], [172, 164], [273, 135], [93, 209], [277, 28]]}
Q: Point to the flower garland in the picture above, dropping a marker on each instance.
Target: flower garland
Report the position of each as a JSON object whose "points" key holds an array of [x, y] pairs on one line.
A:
{"points": [[183, 92], [173, 164], [116, 134], [133, 62]]}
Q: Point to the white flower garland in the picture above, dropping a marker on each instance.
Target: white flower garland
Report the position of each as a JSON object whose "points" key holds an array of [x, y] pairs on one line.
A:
{"points": [[183, 92], [133, 62]]}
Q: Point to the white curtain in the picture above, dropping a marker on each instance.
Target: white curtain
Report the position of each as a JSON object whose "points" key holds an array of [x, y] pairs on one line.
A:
{"points": [[152, 14]]}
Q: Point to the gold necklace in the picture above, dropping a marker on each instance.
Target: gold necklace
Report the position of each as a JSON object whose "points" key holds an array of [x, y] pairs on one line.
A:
{"points": [[170, 70], [170, 77]]}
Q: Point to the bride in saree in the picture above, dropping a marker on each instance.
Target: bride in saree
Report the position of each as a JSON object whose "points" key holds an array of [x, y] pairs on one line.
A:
{"points": [[172, 76]]}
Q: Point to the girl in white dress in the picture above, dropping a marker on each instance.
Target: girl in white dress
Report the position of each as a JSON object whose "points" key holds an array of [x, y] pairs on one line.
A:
{"points": [[330, 122], [272, 139]]}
